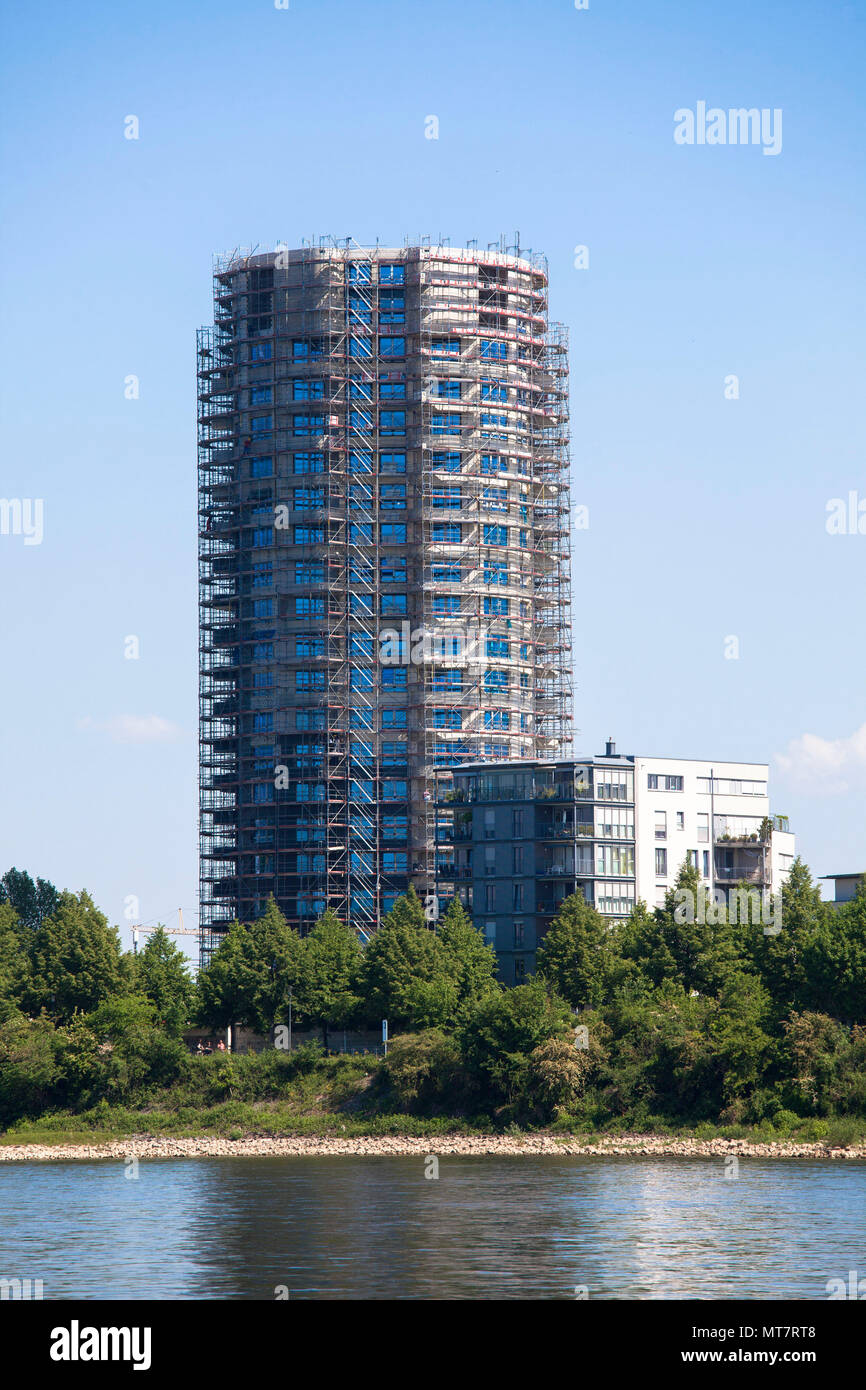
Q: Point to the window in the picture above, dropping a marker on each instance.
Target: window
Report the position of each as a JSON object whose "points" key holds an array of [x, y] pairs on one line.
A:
{"points": [[497, 719], [360, 347], [494, 391], [393, 605], [263, 575], [305, 497], [361, 605], [446, 347], [495, 572], [662, 782], [445, 604], [261, 352], [262, 424], [498, 606], [394, 678], [517, 866], [393, 719], [517, 897], [360, 461], [693, 857], [310, 607], [263, 651], [492, 463], [490, 897], [492, 350], [498, 646], [308, 535], [706, 858], [393, 533], [361, 532], [393, 570], [447, 719], [703, 826], [392, 497], [495, 535], [263, 608], [309, 719], [517, 824], [616, 860], [308, 389], [392, 347], [447, 497], [447, 532], [263, 536], [496, 680], [309, 680], [394, 789], [392, 421], [496, 499], [392, 274], [446, 679], [489, 824], [392, 463], [519, 971], [447, 461], [308, 463], [681, 820], [447, 574], [306, 349], [661, 863], [518, 935], [309, 572], [261, 467], [309, 645], [450, 390]]}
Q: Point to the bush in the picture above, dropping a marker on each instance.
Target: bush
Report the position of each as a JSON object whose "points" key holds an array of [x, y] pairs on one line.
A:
{"points": [[422, 1067]]}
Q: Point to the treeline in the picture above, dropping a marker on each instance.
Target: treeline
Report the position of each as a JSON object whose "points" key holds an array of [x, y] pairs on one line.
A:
{"points": [[652, 1022]]}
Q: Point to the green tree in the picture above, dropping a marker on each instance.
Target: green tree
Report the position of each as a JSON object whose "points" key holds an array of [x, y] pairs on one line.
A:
{"points": [[162, 976], [31, 902], [574, 956], [400, 955], [14, 964], [76, 960], [248, 978], [504, 1029], [329, 969]]}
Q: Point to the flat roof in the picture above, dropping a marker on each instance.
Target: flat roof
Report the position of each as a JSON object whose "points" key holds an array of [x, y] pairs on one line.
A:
{"points": [[861, 874]]}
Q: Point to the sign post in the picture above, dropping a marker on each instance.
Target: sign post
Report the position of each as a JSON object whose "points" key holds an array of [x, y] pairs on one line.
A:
{"points": [[385, 1034]]}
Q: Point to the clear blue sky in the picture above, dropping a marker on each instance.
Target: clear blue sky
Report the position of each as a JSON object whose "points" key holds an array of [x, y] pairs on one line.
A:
{"points": [[707, 516]]}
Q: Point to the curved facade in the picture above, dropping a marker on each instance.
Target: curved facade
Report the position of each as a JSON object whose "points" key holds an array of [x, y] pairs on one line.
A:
{"points": [[384, 562]]}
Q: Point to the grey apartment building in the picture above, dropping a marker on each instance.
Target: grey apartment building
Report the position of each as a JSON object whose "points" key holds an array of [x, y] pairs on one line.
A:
{"points": [[382, 462], [515, 841]]}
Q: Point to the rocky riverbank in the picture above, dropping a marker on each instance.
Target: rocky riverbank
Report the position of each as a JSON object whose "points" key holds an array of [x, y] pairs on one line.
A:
{"points": [[528, 1146]]}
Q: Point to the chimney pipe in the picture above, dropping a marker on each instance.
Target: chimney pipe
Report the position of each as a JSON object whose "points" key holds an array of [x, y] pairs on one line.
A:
{"points": [[610, 749]]}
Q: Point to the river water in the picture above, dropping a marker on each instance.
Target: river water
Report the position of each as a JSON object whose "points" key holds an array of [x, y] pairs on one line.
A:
{"points": [[489, 1228]]}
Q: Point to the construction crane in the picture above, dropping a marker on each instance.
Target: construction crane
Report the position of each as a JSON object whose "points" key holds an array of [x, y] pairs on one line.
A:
{"points": [[179, 930]]}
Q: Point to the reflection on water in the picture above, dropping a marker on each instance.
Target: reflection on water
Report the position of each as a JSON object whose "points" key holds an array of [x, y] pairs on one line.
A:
{"points": [[486, 1228]]}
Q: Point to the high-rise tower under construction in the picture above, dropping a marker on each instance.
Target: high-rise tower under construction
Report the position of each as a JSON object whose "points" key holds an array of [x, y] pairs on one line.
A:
{"points": [[384, 561]]}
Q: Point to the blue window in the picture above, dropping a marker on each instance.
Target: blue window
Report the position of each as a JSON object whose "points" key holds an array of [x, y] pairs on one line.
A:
{"points": [[309, 719], [523, 539], [495, 680], [393, 789], [309, 646], [494, 350], [263, 651], [308, 389], [450, 390], [309, 572], [497, 719], [262, 424], [392, 421], [261, 468], [361, 604], [392, 463], [393, 754], [447, 719], [447, 680], [309, 463], [309, 680], [359, 645], [361, 790], [360, 678], [308, 424], [393, 719], [263, 575], [392, 274], [496, 605], [263, 536], [392, 391], [393, 570], [263, 723], [445, 604], [447, 498], [263, 607], [307, 349], [360, 718], [360, 420], [445, 424], [496, 499], [498, 646], [392, 497], [361, 532], [446, 347], [309, 607], [448, 462], [447, 574], [261, 395], [447, 532], [495, 535], [306, 497], [495, 572], [309, 535], [394, 678], [360, 347], [392, 347], [360, 461], [359, 273], [261, 352], [394, 861], [493, 463], [494, 391], [393, 532], [393, 605]]}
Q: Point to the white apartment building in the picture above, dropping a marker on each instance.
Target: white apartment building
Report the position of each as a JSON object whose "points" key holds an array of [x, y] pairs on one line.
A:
{"points": [[716, 814]]}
